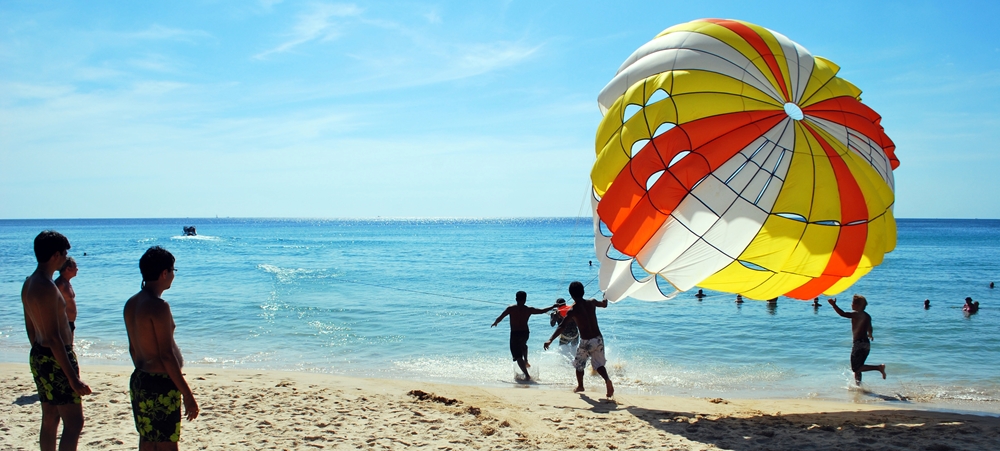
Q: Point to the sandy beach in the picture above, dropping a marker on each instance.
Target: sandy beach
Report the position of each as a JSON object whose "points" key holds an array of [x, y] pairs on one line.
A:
{"points": [[244, 409]]}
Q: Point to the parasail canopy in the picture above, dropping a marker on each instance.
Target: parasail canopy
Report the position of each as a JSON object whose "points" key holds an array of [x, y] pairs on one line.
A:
{"points": [[732, 159]]}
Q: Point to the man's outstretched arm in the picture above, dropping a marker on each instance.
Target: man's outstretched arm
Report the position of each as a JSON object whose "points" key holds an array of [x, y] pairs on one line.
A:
{"points": [[536, 311], [840, 312], [501, 317]]}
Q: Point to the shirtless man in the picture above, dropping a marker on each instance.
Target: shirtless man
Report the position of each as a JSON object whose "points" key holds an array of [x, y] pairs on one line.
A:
{"points": [[861, 327], [584, 314], [67, 272], [519, 314], [157, 385], [52, 360]]}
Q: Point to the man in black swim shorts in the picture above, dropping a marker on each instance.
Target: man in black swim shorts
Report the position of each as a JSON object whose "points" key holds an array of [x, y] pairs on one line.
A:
{"points": [[157, 387], [50, 379], [156, 407], [519, 314], [53, 364]]}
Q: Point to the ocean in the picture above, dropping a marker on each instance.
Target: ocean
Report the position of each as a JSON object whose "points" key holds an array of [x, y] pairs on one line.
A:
{"points": [[414, 300]]}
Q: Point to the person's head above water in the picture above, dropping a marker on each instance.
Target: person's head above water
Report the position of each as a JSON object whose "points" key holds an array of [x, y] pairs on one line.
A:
{"points": [[576, 290], [859, 302], [560, 301], [521, 297]]}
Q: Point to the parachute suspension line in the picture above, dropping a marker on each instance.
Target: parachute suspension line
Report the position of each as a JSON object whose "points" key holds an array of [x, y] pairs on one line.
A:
{"points": [[384, 287], [569, 264], [592, 279]]}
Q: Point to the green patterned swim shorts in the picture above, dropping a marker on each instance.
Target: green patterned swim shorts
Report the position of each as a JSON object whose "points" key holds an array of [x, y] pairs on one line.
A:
{"points": [[53, 386], [156, 407]]}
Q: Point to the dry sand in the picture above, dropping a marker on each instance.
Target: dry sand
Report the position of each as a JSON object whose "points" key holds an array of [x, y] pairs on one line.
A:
{"points": [[252, 410]]}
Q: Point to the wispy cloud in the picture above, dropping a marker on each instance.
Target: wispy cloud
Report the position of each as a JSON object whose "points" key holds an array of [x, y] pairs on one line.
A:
{"points": [[154, 63], [433, 17], [432, 62], [25, 91], [267, 4], [478, 59], [317, 24], [158, 32]]}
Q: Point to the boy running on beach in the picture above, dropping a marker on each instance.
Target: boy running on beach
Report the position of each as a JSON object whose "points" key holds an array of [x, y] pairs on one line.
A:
{"points": [[157, 385], [52, 360], [584, 315], [861, 326], [519, 314]]}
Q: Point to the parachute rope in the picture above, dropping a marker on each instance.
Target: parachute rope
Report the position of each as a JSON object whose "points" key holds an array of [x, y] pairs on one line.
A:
{"points": [[386, 287]]}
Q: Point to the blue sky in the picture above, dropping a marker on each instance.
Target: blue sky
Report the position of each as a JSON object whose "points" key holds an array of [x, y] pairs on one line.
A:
{"points": [[426, 109]]}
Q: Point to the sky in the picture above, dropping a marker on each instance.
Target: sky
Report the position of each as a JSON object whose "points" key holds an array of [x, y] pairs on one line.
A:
{"points": [[427, 109]]}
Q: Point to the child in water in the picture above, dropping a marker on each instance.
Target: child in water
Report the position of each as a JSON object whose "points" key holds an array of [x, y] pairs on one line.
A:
{"points": [[861, 327]]}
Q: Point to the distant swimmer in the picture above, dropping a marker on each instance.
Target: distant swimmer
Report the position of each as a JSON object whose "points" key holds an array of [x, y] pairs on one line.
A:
{"points": [[584, 314], [519, 314], [991, 283], [927, 304], [861, 328], [700, 295], [772, 301], [739, 299], [816, 303], [970, 307], [591, 263], [67, 272]]}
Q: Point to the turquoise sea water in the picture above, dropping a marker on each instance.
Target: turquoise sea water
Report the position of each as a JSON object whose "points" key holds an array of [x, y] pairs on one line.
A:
{"points": [[414, 299]]}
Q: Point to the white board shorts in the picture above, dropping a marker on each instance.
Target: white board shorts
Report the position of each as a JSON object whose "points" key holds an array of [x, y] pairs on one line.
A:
{"points": [[592, 349]]}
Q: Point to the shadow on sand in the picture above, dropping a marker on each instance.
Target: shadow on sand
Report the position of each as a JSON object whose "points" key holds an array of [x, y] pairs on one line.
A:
{"points": [[859, 430], [880, 429], [26, 400]]}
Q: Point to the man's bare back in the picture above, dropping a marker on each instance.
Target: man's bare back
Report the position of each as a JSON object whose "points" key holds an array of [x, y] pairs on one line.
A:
{"points": [[519, 315], [45, 312], [585, 315]]}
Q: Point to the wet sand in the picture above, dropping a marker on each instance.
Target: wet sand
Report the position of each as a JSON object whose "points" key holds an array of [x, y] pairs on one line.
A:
{"points": [[243, 409]]}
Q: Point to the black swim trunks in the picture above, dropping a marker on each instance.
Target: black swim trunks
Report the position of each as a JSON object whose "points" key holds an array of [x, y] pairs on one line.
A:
{"points": [[156, 407], [859, 353], [52, 383], [519, 344]]}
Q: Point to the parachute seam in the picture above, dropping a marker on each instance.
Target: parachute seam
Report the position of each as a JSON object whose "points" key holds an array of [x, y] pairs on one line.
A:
{"points": [[773, 94]]}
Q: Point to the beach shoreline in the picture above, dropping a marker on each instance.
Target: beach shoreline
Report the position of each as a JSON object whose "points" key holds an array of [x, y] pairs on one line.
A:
{"points": [[248, 409]]}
